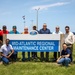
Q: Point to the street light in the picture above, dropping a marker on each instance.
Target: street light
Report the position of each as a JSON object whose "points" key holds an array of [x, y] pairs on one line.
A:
{"points": [[24, 20], [37, 17]]}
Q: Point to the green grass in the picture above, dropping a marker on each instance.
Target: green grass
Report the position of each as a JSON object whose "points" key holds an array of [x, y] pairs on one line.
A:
{"points": [[37, 68]]}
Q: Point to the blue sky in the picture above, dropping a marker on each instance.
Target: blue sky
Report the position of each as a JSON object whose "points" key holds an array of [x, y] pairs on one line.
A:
{"points": [[52, 12]]}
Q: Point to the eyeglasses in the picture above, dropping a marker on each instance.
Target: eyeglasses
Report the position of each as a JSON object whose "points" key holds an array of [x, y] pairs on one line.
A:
{"points": [[25, 29], [66, 29], [44, 26]]}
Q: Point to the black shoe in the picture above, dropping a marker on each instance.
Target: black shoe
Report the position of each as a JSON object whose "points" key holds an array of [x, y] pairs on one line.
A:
{"points": [[23, 59]]}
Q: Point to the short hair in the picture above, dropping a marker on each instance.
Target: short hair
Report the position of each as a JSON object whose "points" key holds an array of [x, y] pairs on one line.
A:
{"points": [[57, 27], [67, 27], [44, 24], [7, 39], [25, 27], [65, 44], [34, 26], [4, 26]]}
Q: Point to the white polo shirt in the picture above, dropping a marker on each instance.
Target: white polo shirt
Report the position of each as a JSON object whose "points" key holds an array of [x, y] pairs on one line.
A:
{"points": [[6, 49], [69, 38], [58, 32]]}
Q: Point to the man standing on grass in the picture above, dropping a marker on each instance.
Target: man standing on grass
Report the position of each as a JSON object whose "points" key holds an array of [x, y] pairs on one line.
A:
{"points": [[44, 30], [65, 57], [57, 31], [4, 30], [14, 31], [69, 39], [6, 52], [34, 32]]}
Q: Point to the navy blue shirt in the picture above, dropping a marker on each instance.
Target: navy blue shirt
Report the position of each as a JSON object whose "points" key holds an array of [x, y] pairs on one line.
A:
{"points": [[65, 52], [42, 31]]}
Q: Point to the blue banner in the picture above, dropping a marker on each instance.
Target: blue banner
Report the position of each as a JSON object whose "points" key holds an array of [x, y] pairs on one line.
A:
{"points": [[35, 45]]}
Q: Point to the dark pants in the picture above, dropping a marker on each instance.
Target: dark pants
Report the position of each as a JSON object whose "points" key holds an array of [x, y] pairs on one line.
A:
{"points": [[34, 54], [28, 55], [15, 55], [70, 46], [47, 56], [1, 38], [55, 55], [1, 41], [42, 56], [23, 56]]}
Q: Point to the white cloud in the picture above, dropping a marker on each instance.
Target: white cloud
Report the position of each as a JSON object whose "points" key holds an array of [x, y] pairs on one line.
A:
{"points": [[42, 7]]}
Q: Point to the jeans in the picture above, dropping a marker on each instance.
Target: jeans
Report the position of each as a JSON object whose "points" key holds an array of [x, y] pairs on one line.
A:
{"points": [[6, 60], [64, 61]]}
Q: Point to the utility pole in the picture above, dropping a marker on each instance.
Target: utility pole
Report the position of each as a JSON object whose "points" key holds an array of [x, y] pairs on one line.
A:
{"points": [[37, 17], [24, 20], [32, 23]]}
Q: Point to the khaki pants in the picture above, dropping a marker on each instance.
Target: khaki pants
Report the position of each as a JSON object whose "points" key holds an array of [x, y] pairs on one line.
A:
{"points": [[70, 46]]}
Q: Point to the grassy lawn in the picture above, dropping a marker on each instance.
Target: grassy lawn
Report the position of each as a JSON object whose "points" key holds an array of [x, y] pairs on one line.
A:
{"points": [[37, 68]]}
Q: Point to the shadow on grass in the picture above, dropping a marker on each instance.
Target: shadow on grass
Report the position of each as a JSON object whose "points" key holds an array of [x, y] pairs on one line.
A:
{"points": [[38, 59]]}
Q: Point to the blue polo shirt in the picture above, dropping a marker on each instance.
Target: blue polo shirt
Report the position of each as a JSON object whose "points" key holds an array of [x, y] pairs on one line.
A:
{"points": [[42, 31], [65, 52], [12, 32]]}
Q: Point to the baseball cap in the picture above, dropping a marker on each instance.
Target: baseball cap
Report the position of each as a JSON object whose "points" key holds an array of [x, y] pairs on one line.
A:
{"points": [[14, 27]]}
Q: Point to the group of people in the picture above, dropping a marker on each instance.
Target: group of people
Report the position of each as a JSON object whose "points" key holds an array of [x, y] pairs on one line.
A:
{"points": [[65, 57]]}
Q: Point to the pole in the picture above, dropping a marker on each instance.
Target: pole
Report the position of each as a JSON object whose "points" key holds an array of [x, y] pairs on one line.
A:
{"points": [[24, 23], [32, 23], [24, 20], [37, 17]]}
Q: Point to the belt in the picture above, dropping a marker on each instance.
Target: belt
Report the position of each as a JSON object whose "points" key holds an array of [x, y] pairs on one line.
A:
{"points": [[69, 45]]}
